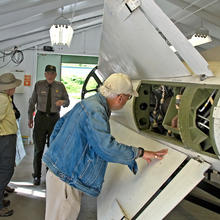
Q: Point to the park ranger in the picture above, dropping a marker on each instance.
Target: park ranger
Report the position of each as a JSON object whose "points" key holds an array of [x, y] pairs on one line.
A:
{"points": [[48, 96]]}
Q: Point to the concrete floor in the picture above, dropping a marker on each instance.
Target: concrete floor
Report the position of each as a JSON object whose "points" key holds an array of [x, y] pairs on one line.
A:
{"points": [[28, 201]]}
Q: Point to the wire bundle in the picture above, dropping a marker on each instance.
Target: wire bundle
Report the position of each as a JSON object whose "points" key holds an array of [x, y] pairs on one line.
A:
{"points": [[16, 56]]}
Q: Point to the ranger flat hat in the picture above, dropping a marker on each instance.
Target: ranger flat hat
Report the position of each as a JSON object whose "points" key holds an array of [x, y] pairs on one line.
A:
{"points": [[50, 68], [8, 81]]}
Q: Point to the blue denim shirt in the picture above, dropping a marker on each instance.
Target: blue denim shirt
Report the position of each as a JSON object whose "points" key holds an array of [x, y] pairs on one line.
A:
{"points": [[81, 146]]}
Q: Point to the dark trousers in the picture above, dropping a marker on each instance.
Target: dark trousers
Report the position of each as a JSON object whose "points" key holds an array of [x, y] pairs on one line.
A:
{"points": [[7, 162], [43, 127]]}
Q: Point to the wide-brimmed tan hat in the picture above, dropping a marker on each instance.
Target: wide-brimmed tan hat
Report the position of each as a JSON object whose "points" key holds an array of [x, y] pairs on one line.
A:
{"points": [[8, 81]]}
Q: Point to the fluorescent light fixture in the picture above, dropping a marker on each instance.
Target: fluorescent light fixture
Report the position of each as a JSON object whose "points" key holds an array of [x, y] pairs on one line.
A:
{"points": [[200, 37], [61, 32], [198, 40]]}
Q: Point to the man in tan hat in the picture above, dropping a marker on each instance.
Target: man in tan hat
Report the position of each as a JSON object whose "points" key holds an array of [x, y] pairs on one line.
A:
{"points": [[81, 146], [8, 130]]}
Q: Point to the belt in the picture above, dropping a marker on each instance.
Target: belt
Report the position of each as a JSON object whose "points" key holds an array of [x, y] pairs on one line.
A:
{"points": [[48, 114]]}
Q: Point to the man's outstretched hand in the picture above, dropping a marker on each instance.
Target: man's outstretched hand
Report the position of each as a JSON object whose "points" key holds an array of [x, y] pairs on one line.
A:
{"points": [[150, 155]]}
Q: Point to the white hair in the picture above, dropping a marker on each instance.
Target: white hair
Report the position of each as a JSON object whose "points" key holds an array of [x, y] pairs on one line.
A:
{"points": [[106, 92]]}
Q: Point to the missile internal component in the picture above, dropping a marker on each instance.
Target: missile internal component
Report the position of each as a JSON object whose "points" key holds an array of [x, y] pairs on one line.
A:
{"points": [[181, 113]]}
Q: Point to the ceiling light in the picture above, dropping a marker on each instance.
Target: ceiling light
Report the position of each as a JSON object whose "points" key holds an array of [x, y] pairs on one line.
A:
{"points": [[61, 32], [201, 36]]}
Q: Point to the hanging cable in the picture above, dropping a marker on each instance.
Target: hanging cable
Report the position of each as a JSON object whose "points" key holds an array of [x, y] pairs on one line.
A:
{"points": [[5, 54], [16, 56]]}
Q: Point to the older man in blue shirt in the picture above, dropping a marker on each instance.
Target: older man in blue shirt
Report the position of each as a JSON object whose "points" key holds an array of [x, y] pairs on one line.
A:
{"points": [[82, 145]]}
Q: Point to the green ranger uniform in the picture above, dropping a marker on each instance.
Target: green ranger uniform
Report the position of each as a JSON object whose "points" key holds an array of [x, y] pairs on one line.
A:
{"points": [[46, 116]]}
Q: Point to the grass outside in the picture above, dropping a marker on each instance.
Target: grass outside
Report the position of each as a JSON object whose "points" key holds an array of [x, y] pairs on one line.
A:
{"points": [[74, 83]]}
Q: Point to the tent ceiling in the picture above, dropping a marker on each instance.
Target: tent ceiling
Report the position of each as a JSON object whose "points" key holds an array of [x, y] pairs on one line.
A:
{"points": [[26, 23]]}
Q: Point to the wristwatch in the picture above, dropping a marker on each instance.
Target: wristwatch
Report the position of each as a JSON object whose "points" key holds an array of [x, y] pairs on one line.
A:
{"points": [[141, 151]]}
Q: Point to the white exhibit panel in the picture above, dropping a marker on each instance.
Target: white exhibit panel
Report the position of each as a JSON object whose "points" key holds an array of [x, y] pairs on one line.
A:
{"points": [[190, 175], [131, 44], [126, 193]]}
